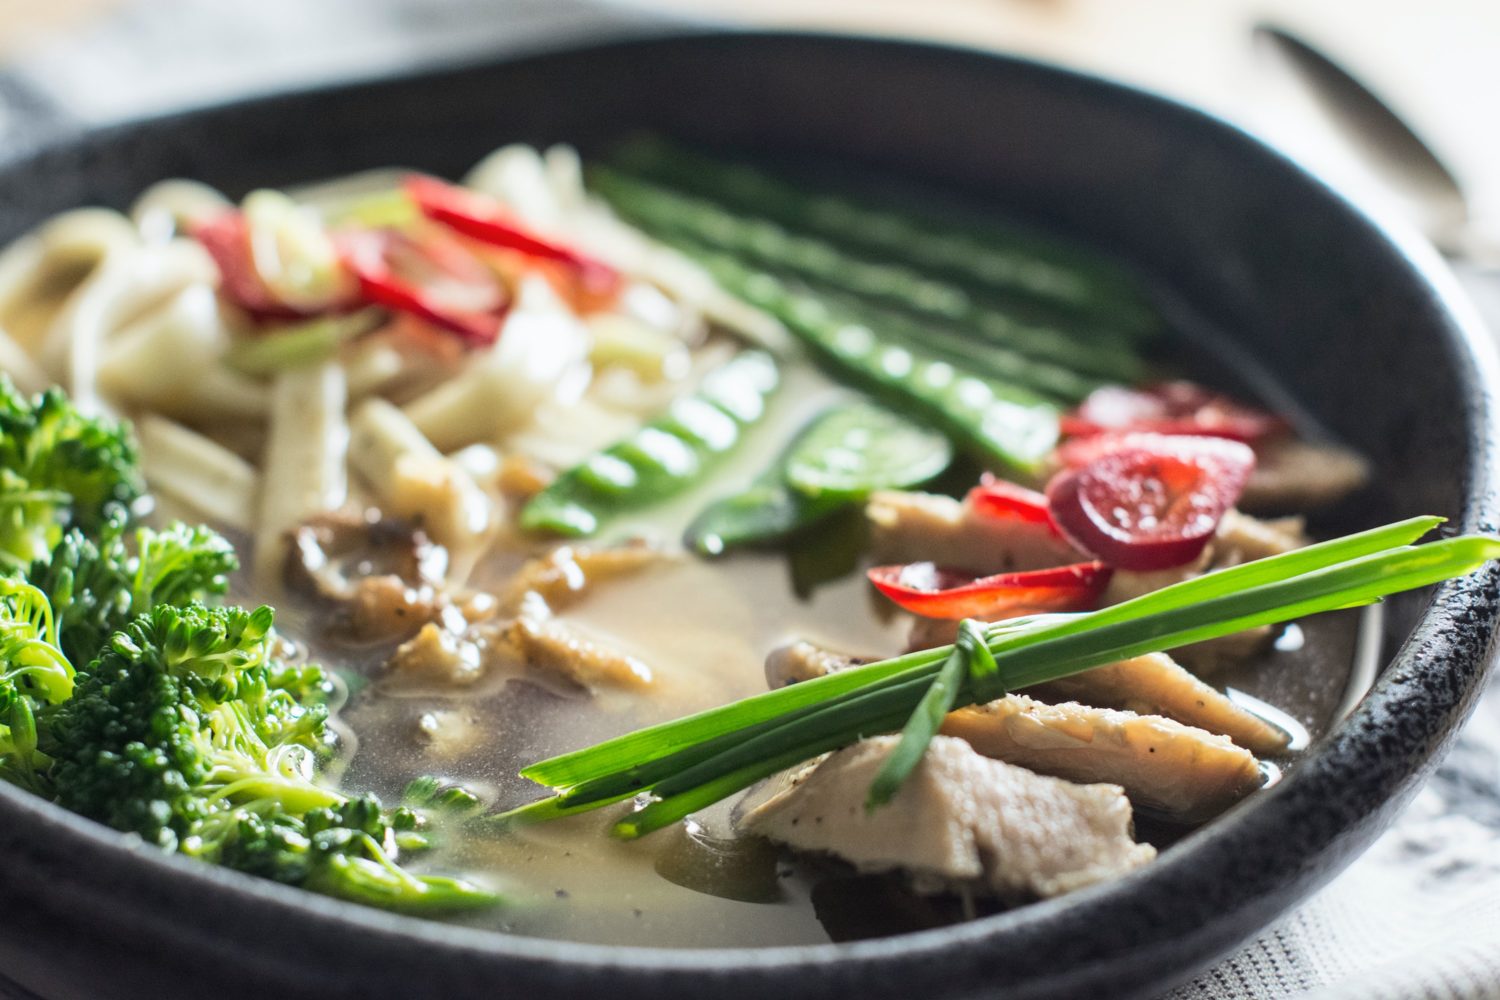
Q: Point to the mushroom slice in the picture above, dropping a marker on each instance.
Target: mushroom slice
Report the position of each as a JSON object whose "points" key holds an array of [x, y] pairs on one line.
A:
{"points": [[384, 574], [1155, 684], [564, 576], [519, 633], [1177, 771], [542, 642], [959, 820]]}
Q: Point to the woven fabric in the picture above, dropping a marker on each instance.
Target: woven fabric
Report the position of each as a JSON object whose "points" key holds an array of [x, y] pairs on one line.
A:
{"points": [[1417, 916]]}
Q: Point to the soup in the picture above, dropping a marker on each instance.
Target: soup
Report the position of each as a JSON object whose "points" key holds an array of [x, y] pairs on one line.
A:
{"points": [[527, 466]]}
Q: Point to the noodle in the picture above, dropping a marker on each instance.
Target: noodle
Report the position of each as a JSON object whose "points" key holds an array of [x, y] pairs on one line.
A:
{"points": [[198, 473], [304, 468]]}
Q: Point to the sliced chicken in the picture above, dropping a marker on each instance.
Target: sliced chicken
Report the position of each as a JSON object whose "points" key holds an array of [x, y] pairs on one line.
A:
{"points": [[804, 661], [542, 642], [960, 820], [1240, 538], [1155, 684], [925, 527], [1302, 475], [1175, 770]]}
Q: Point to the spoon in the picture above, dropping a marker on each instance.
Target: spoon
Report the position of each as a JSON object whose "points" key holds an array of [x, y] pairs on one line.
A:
{"points": [[1388, 148]]}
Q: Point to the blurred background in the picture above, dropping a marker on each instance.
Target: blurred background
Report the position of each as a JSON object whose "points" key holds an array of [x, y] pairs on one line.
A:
{"points": [[1434, 64], [1414, 139]]}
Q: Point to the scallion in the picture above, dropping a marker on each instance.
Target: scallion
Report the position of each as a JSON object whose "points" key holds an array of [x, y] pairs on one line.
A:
{"points": [[685, 765]]}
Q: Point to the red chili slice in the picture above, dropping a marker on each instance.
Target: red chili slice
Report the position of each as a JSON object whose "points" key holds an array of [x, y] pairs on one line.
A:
{"points": [[1004, 500], [933, 592], [1152, 504], [482, 219], [227, 240], [1170, 408], [432, 279]]}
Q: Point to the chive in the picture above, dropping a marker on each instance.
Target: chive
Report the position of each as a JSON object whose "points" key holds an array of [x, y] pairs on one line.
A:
{"points": [[658, 741], [694, 762], [965, 660]]}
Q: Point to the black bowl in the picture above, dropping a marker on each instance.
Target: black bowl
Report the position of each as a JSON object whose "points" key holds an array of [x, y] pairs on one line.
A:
{"points": [[1364, 329]]}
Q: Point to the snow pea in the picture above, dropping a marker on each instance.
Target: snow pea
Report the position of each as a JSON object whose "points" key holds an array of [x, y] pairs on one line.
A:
{"points": [[675, 216], [844, 454], [662, 458], [1003, 425], [990, 255]]}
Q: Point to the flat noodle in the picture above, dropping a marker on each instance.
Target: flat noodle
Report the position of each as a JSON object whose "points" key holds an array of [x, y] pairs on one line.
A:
{"points": [[198, 473], [40, 271], [515, 176], [126, 282], [304, 465], [165, 209], [373, 368], [24, 372], [501, 388], [414, 480], [189, 329]]}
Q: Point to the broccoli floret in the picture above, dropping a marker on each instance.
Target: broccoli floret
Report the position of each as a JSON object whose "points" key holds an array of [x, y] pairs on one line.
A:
{"points": [[58, 468], [188, 732], [345, 851], [35, 674], [97, 586], [180, 565]]}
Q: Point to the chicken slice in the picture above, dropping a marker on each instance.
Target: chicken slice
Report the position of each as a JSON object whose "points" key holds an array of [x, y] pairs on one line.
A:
{"points": [[1240, 538], [960, 820], [1155, 684], [1171, 769], [804, 661], [1302, 475], [925, 527]]}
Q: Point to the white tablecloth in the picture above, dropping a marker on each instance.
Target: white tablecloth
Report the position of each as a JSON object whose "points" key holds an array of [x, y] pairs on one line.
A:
{"points": [[1417, 916]]}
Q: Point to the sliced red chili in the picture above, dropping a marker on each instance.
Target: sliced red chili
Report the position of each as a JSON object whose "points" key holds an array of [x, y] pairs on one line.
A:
{"points": [[226, 237], [431, 278], [1151, 504], [484, 220], [934, 592], [1179, 407], [1003, 500]]}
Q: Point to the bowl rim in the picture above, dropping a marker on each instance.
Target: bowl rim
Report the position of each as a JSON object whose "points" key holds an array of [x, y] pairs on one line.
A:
{"points": [[1474, 357]]}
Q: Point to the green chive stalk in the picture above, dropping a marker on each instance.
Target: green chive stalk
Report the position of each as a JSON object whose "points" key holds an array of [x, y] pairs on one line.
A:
{"points": [[685, 765]]}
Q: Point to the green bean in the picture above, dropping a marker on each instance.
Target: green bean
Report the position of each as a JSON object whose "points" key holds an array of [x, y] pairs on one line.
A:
{"points": [[675, 216], [1002, 259], [846, 453], [662, 458], [958, 346], [1002, 424]]}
